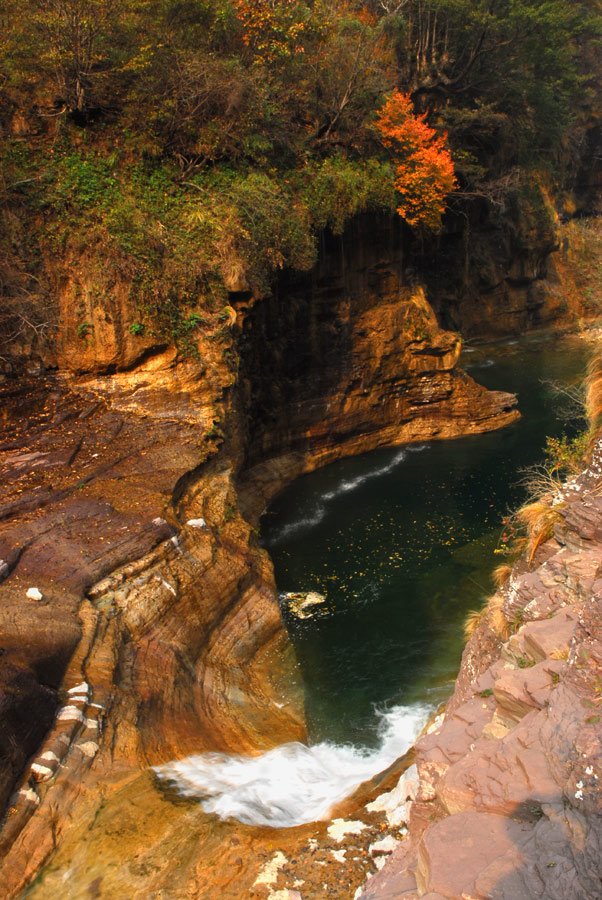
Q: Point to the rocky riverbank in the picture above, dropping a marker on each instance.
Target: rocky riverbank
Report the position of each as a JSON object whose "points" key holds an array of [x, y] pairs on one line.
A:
{"points": [[139, 619], [506, 800]]}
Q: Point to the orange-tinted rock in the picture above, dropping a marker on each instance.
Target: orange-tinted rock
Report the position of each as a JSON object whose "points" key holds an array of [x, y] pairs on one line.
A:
{"points": [[132, 483]]}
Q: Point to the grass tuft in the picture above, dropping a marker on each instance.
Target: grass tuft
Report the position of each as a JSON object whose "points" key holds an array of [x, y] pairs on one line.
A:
{"points": [[472, 621], [501, 574], [593, 395]]}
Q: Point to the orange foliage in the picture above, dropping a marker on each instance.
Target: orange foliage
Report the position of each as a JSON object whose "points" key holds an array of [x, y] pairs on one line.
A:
{"points": [[425, 170], [272, 29]]}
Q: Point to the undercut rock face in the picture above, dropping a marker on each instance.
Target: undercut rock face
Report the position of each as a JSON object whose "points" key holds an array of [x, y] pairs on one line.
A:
{"points": [[139, 621]]}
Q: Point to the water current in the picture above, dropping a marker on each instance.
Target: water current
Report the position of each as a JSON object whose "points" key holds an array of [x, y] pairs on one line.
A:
{"points": [[402, 543]]}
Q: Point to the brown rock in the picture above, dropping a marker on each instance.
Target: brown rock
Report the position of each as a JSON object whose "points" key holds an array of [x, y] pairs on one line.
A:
{"points": [[456, 851], [519, 691], [551, 636]]}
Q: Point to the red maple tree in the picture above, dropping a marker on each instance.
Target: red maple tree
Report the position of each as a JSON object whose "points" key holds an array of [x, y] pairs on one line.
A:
{"points": [[425, 170]]}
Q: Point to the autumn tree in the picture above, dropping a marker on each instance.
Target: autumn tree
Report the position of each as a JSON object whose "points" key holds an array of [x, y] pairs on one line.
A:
{"points": [[76, 44], [270, 29], [424, 174]]}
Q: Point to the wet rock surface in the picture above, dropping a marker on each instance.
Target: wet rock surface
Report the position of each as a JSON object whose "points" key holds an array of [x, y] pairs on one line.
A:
{"points": [[139, 621], [508, 803], [172, 631]]}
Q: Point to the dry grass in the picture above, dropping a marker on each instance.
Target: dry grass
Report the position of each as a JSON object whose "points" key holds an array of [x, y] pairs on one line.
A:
{"points": [[557, 653], [540, 482], [501, 574], [593, 395], [472, 621], [539, 519], [496, 619]]}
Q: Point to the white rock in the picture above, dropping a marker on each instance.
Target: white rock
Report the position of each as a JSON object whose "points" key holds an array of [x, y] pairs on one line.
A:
{"points": [[197, 523], [358, 893], [82, 688], [383, 847], [169, 587], [91, 723], [49, 756], [79, 698], [70, 714], [4, 568], [285, 895], [269, 873], [394, 803], [41, 773], [339, 855], [34, 594], [89, 749], [379, 862], [159, 521], [29, 796], [341, 827]]}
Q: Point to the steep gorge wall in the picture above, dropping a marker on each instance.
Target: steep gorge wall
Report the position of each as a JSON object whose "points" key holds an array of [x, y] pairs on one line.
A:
{"points": [[124, 489], [505, 799], [348, 359]]}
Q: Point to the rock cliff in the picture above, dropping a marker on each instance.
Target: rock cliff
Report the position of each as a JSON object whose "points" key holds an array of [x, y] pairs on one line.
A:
{"points": [[506, 802], [139, 620], [348, 360]]}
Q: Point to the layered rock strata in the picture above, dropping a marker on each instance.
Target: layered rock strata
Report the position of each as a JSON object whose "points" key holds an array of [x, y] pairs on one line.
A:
{"points": [[349, 360], [507, 802], [139, 620]]}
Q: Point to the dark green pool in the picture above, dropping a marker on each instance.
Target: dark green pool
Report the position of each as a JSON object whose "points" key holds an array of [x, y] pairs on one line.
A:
{"points": [[402, 543]]}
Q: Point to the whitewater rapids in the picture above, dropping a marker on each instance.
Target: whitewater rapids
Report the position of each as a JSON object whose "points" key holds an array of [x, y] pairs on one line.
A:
{"points": [[293, 783]]}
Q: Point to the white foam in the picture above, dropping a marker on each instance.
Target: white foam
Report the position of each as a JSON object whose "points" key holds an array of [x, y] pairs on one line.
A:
{"points": [[292, 784], [351, 484], [308, 521], [315, 516]]}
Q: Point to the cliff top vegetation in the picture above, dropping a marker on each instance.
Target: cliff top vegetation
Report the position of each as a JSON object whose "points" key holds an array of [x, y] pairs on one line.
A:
{"points": [[197, 146]]}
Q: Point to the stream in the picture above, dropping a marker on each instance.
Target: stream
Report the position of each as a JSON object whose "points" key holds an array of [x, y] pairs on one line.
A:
{"points": [[402, 544]]}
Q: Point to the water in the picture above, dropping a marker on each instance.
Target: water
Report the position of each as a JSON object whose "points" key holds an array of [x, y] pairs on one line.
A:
{"points": [[402, 544], [294, 783]]}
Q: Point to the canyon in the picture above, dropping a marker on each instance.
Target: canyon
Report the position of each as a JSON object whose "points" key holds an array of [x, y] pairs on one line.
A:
{"points": [[139, 618], [503, 800]]}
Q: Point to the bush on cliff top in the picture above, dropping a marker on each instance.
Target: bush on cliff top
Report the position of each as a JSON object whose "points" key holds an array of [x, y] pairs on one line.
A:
{"points": [[201, 144]]}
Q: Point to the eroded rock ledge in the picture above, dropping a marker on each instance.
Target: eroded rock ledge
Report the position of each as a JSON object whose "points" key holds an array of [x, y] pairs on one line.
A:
{"points": [[507, 803], [157, 632]]}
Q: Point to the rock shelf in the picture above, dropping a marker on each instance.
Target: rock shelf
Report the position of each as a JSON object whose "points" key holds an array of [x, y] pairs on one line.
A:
{"points": [[508, 803]]}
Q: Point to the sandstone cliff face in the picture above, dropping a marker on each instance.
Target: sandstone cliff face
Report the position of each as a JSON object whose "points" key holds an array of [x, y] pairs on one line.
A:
{"points": [[158, 631], [349, 360], [507, 802], [156, 603]]}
